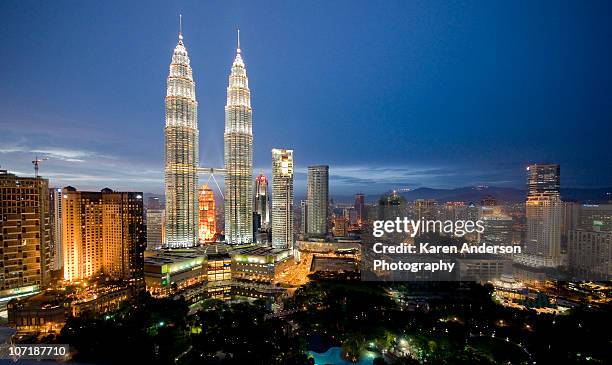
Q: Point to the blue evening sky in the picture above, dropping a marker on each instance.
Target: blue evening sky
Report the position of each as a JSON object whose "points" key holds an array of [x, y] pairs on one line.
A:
{"points": [[390, 94]]}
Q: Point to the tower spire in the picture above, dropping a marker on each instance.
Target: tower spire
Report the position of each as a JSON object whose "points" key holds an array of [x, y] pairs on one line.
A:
{"points": [[238, 47], [180, 27]]}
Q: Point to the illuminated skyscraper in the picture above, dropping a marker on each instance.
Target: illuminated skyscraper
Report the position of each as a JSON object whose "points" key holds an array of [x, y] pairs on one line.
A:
{"points": [[318, 200], [181, 152], [55, 220], [25, 235], [238, 140], [103, 232], [282, 198], [155, 228], [360, 208], [543, 213], [262, 200], [208, 221]]}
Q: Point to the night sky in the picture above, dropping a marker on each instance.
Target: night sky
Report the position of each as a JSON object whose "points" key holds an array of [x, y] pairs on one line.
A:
{"points": [[389, 94]]}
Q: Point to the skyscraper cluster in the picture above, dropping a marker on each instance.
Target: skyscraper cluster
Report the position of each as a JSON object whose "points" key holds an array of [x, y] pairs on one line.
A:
{"points": [[243, 200]]}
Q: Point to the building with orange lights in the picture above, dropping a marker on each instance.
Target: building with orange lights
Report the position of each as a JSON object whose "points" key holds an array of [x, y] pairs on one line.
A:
{"points": [[103, 232], [207, 226]]}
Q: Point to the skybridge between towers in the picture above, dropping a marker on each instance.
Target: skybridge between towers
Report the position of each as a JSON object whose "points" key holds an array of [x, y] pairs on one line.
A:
{"points": [[211, 171]]}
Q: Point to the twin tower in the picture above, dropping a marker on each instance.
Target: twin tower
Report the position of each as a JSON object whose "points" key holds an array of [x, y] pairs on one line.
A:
{"points": [[182, 156]]}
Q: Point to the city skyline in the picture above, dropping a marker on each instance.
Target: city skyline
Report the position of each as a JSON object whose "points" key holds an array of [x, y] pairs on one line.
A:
{"points": [[121, 145]]}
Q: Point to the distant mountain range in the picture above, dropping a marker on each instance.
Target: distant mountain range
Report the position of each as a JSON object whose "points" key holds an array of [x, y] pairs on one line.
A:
{"points": [[506, 195], [471, 194]]}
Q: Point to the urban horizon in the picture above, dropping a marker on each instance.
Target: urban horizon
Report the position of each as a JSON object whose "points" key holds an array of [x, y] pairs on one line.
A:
{"points": [[355, 183]]}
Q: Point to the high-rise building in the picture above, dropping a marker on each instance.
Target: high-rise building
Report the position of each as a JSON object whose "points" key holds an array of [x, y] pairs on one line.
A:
{"points": [[262, 200], [543, 213], [595, 217], [208, 220], [425, 208], [181, 144], [103, 232], [261, 210], [590, 254], [282, 198], [340, 227], [303, 217], [318, 200], [497, 230], [24, 233], [155, 228], [55, 220], [238, 139], [360, 208], [543, 179]]}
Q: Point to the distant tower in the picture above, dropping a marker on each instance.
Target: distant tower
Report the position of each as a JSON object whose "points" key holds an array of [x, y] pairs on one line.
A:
{"points": [[238, 140], [208, 221], [543, 213], [360, 208], [282, 198], [318, 200], [262, 200], [55, 219], [181, 178]]}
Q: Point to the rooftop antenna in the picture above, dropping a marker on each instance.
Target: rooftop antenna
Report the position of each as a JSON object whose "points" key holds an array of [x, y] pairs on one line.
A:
{"points": [[36, 162], [238, 48]]}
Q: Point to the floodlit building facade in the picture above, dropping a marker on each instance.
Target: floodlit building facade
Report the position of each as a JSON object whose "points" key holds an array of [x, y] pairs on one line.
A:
{"points": [[543, 213], [207, 215], [103, 232], [55, 220], [155, 228], [282, 198], [238, 156], [181, 151], [24, 233]]}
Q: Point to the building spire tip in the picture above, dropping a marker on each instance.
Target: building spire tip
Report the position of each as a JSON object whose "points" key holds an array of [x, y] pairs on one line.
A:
{"points": [[238, 46], [180, 27]]}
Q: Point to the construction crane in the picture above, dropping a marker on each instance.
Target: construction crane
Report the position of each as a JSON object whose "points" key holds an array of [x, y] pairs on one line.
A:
{"points": [[36, 162]]}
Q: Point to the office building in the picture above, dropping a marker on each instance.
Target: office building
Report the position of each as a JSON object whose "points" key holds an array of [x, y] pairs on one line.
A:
{"points": [[318, 200], [238, 139], [282, 198], [543, 213], [181, 151], [590, 254], [155, 228], [262, 200], [360, 208]]}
